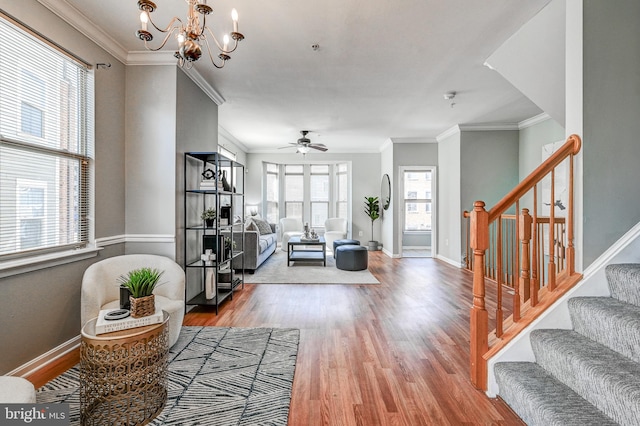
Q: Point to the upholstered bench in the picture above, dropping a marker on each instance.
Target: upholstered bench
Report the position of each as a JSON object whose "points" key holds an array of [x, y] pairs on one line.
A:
{"points": [[16, 390], [352, 257], [344, 242]]}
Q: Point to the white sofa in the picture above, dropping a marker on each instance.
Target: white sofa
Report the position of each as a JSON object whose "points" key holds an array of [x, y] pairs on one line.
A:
{"points": [[101, 290]]}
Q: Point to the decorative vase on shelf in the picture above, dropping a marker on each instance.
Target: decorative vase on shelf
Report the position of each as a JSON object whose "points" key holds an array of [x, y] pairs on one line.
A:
{"points": [[225, 183]]}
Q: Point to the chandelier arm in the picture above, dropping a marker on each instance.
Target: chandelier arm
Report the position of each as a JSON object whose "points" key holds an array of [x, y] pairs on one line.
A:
{"points": [[164, 41], [226, 52], [169, 27], [206, 41]]}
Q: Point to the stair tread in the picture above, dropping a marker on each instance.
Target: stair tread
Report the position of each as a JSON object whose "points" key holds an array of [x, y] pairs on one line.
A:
{"points": [[605, 378], [624, 282], [527, 387], [608, 321]]}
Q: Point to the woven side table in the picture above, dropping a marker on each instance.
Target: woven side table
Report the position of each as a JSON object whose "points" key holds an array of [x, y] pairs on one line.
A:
{"points": [[123, 375]]}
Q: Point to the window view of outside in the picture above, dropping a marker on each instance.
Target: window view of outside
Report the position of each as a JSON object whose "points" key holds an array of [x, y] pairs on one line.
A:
{"points": [[310, 192], [319, 195], [417, 200], [43, 145], [294, 191], [272, 188]]}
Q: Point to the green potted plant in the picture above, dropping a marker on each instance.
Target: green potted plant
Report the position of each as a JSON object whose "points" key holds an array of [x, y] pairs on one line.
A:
{"points": [[140, 283], [209, 216], [372, 209]]}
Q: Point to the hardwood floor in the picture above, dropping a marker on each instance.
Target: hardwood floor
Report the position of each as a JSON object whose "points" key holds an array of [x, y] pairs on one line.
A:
{"points": [[390, 354]]}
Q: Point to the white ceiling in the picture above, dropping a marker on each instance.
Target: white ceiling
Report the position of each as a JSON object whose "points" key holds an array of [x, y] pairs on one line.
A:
{"points": [[380, 73]]}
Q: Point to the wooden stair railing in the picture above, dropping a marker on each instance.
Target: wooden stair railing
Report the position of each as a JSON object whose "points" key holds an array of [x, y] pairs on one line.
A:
{"points": [[509, 246]]}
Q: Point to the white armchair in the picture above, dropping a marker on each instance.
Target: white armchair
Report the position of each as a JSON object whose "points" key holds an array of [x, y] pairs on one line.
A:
{"points": [[334, 229], [289, 227], [100, 288]]}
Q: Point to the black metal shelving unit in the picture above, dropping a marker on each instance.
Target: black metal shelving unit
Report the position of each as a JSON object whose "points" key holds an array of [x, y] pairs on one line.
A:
{"points": [[210, 282]]}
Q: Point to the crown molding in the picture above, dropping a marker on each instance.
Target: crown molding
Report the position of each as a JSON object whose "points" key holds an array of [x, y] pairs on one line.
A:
{"points": [[540, 118], [228, 136], [146, 57], [487, 127], [197, 78], [386, 144], [414, 140], [80, 22], [449, 132]]}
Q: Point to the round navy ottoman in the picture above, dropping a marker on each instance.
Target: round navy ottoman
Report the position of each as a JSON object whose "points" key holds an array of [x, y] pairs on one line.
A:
{"points": [[343, 242], [352, 257]]}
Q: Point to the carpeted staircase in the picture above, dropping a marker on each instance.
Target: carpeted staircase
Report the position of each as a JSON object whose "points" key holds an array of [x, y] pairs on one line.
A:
{"points": [[589, 375]]}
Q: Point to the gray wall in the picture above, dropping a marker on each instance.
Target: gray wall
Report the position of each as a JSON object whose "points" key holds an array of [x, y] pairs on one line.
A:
{"points": [[41, 310], [150, 156], [365, 182], [611, 146], [489, 166], [532, 139]]}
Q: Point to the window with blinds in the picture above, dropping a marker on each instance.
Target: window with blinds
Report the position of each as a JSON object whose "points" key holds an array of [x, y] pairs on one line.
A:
{"points": [[46, 128]]}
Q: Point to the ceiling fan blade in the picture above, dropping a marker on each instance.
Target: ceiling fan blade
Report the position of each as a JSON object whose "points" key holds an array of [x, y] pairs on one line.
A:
{"points": [[318, 146], [291, 145]]}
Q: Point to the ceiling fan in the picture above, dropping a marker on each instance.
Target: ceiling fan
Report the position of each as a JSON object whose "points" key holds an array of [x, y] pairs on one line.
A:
{"points": [[304, 144]]}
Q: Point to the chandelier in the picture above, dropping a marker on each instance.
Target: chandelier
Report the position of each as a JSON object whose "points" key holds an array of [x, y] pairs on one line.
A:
{"points": [[192, 37]]}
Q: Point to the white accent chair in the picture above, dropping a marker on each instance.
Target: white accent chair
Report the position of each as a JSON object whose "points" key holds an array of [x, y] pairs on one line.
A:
{"points": [[290, 227], [335, 228], [101, 290], [16, 390]]}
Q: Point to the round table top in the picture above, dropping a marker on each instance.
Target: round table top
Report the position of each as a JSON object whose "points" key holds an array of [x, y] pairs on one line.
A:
{"points": [[89, 330]]}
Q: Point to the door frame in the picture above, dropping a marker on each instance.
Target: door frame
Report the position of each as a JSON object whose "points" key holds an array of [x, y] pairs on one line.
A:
{"points": [[434, 207]]}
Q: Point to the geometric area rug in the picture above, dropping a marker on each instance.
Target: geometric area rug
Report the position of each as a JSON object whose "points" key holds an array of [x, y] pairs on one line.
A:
{"points": [[217, 376]]}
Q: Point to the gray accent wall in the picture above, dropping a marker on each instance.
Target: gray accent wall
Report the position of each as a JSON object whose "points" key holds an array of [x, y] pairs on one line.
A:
{"points": [[532, 139], [611, 140], [41, 310]]}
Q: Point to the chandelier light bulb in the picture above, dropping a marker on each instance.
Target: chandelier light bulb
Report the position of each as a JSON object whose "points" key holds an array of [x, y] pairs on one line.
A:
{"points": [[225, 40], [144, 19], [234, 16], [181, 39]]}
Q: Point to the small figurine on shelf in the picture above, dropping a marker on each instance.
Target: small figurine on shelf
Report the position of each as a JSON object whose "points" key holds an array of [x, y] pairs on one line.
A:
{"points": [[314, 235]]}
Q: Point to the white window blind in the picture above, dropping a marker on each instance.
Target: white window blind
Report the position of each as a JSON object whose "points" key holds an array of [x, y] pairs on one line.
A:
{"points": [[46, 133]]}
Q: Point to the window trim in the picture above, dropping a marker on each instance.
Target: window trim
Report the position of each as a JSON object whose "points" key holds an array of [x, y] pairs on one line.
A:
{"points": [[27, 261]]}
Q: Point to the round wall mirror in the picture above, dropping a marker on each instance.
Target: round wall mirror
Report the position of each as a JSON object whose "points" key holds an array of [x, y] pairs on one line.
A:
{"points": [[385, 192]]}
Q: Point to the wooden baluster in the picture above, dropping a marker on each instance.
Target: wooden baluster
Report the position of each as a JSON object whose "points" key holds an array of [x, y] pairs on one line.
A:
{"points": [[517, 302], [525, 254], [499, 281], [571, 254], [479, 317], [516, 253], [535, 283], [551, 268]]}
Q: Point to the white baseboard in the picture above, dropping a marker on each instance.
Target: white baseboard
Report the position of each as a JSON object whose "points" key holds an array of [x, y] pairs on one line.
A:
{"points": [[46, 358], [450, 261]]}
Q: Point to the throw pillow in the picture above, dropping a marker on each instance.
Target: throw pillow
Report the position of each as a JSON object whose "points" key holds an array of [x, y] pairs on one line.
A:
{"points": [[263, 226], [251, 226]]}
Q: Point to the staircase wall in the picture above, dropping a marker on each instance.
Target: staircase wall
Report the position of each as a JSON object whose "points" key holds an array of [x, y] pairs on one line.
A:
{"points": [[625, 250]]}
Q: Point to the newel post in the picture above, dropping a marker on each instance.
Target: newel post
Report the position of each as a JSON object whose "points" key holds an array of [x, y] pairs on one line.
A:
{"points": [[479, 242]]}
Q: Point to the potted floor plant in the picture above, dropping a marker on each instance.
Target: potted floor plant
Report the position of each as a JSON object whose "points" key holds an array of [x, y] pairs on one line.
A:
{"points": [[372, 209], [140, 283], [209, 216]]}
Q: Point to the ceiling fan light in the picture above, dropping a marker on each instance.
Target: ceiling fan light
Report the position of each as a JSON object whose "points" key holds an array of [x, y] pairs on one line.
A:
{"points": [[303, 149]]}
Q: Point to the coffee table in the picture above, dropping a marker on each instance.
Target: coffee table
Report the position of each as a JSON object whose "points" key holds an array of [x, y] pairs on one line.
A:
{"points": [[306, 254]]}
